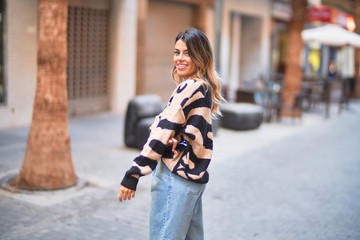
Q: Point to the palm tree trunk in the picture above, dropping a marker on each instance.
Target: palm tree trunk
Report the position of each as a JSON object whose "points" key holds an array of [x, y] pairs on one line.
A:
{"points": [[48, 163], [293, 72], [357, 50]]}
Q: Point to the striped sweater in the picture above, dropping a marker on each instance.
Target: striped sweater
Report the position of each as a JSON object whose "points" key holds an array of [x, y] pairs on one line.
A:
{"points": [[187, 116]]}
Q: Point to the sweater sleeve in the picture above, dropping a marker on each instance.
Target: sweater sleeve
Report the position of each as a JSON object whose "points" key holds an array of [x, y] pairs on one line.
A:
{"points": [[167, 125]]}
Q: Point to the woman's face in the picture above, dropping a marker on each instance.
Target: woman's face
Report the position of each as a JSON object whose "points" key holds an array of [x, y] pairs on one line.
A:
{"points": [[184, 65]]}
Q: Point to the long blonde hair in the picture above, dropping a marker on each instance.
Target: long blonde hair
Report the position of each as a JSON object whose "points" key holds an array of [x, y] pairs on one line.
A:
{"points": [[200, 52]]}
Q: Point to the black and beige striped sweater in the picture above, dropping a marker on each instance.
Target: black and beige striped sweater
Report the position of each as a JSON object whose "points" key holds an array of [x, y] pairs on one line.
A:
{"points": [[187, 116]]}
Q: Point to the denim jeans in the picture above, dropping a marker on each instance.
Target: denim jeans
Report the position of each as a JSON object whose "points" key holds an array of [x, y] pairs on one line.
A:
{"points": [[176, 209]]}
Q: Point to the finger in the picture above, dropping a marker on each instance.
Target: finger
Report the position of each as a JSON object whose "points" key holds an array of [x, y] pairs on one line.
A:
{"points": [[123, 193], [171, 141], [174, 149], [175, 142], [123, 196], [129, 195], [120, 195]]}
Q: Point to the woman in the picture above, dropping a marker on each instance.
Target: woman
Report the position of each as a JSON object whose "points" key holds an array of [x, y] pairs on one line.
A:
{"points": [[179, 148]]}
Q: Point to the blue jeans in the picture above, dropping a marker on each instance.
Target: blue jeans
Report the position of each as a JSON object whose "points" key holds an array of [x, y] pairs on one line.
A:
{"points": [[176, 209]]}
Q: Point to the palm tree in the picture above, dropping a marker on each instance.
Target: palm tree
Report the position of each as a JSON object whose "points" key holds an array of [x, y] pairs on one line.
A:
{"points": [[293, 72], [48, 164]]}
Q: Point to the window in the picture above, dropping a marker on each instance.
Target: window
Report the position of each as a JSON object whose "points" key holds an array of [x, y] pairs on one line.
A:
{"points": [[87, 52]]}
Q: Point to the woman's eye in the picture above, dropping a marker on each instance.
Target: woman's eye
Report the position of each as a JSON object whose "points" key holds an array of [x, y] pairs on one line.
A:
{"points": [[178, 53]]}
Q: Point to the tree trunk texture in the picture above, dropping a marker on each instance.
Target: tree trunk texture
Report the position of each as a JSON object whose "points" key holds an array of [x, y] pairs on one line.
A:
{"points": [[293, 72], [48, 164], [357, 50], [143, 9]]}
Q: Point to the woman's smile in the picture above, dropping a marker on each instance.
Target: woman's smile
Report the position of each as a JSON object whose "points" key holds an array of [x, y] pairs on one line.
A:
{"points": [[181, 66]]}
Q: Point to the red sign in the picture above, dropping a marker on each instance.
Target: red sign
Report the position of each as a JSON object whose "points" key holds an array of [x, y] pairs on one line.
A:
{"points": [[325, 14], [319, 14]]}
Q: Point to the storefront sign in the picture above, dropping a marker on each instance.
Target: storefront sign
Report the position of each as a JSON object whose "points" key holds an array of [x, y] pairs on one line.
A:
{"points": [[319, 13], [282, 11], [325, 14]]}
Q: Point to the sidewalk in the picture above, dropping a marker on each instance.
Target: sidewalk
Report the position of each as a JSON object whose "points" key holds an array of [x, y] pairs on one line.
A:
{"points": [[276, 182]]}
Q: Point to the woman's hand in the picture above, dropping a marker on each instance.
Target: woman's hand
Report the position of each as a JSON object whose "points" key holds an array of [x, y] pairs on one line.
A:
{"points": [[172, 141], [128, 194], [125, 194]]}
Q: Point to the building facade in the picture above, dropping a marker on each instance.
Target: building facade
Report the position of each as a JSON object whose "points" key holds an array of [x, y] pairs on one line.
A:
{"points": [[244, 54], [121, 48], [18, 70]]}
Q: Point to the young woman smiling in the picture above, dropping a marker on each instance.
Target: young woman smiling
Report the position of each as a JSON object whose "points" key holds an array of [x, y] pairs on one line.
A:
{"points": [[179, 148]]}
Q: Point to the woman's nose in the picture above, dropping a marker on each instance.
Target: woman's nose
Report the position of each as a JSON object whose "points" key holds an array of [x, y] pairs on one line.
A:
{"points": [[181, 56]]}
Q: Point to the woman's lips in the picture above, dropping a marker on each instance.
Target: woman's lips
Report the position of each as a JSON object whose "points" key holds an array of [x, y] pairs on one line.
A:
{"points": [[181, 66]]}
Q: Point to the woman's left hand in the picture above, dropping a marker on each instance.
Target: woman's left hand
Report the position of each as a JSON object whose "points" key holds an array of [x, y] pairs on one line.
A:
{"points": [[174, 143]]}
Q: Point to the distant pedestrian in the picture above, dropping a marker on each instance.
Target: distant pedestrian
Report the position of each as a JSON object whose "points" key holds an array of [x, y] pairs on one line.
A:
{"points": [[179, 148], [332, 73]]}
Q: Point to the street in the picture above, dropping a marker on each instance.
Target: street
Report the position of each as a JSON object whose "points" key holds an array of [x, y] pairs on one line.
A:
{"points": [[283, 181]]}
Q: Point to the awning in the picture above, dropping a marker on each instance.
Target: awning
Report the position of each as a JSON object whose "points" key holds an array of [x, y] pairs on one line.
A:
{"points": [[331, 35]]}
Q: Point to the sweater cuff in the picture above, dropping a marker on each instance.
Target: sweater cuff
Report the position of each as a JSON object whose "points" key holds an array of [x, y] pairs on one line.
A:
{"points": [[130, 182]]}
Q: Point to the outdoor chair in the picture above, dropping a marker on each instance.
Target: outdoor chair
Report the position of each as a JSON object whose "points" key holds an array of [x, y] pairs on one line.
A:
{"points": [[293, 110], [140, 114], [241, 116]]}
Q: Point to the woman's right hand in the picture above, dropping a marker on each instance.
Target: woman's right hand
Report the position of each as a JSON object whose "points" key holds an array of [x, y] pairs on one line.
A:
{"points": [[125, 194]]}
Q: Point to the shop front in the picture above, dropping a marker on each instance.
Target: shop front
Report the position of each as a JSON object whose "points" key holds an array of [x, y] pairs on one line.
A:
{"points": [[319, 54], [244, 50]]}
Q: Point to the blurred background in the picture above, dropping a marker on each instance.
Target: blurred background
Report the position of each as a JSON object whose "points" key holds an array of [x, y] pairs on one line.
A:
{"points": [[122, 48], [71, 70]]}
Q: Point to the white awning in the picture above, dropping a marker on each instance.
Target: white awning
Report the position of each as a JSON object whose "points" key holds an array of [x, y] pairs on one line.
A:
{"points": [[331, 35]]}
